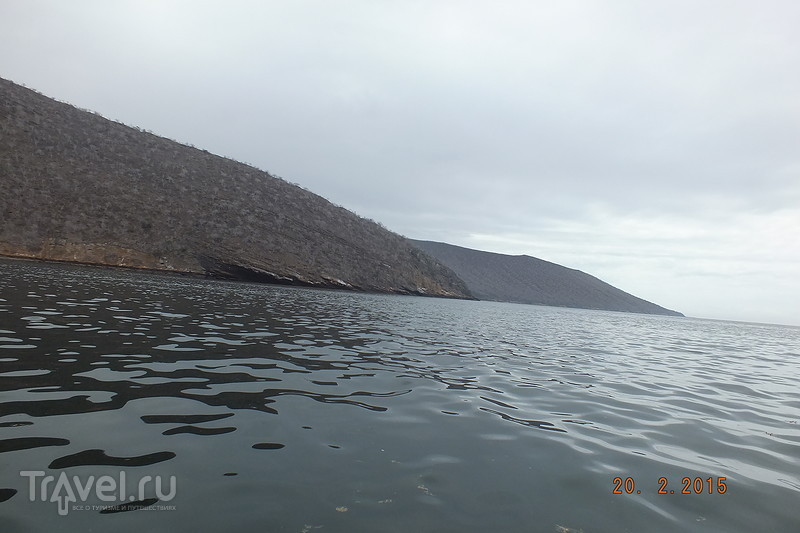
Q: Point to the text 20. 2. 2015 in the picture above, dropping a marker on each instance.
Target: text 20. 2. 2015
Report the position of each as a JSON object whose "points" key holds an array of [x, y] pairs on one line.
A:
{"points": [[689, 485]]}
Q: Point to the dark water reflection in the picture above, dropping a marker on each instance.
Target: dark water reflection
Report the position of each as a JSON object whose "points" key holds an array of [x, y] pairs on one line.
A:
{"points": [[282, 409]]}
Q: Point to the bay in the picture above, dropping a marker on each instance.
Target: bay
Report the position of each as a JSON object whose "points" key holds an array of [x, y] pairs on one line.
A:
{"points": [[299, 410]]}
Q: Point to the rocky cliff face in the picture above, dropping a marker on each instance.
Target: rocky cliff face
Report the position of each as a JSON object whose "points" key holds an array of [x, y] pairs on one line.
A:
{"points": [[524, 279], [77, 187]]}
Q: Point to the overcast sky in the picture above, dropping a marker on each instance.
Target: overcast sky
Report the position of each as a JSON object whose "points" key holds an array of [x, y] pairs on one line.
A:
{"points": [[655, 145]]}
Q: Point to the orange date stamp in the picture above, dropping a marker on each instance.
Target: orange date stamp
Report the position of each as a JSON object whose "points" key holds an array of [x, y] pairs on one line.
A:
{"points": [[688, 485]]}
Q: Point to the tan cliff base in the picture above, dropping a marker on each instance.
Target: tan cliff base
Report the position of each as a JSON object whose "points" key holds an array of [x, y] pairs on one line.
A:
{"points": [[96, 254]]}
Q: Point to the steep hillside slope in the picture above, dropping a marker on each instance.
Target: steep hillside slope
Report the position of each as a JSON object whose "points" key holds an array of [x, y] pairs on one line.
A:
{"points": [[524, 279], [77, 187]]}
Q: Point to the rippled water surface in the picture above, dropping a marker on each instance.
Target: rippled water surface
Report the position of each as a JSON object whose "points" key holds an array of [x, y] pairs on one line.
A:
{"points": [[282, 409]]}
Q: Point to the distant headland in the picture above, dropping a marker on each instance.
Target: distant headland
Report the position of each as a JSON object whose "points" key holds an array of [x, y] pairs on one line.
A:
{"points": [[528, 280]]}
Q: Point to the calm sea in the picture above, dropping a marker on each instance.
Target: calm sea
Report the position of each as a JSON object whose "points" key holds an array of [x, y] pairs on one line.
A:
{"points": [[245, 407]]}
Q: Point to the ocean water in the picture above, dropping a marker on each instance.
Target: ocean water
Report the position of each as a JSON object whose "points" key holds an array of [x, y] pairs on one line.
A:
{"points": [[264, 408]]}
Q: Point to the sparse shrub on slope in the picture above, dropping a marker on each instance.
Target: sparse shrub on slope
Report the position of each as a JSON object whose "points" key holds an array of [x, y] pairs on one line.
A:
{"points": [[75, 186]]}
